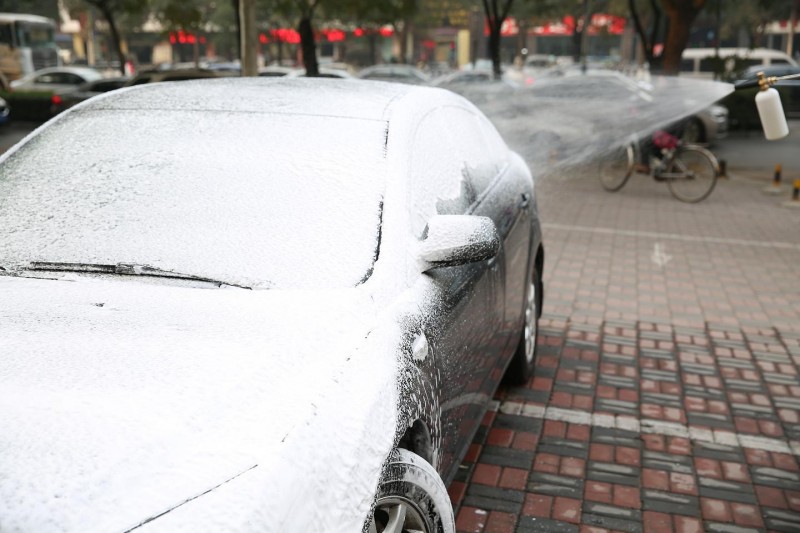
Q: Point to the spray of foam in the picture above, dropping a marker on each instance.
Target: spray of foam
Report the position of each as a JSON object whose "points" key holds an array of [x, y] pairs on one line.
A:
{"points": [[569, 119]]}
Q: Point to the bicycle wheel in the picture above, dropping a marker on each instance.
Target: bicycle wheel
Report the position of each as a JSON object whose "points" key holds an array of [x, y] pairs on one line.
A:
{"points": [[695, 172], [616, 166]]}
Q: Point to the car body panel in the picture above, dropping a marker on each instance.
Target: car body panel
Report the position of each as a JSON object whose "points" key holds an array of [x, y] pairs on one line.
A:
{"points": [[136, 403]]}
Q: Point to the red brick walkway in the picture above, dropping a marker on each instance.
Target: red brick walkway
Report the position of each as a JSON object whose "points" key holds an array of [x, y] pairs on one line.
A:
{"points": [[686, 430]]}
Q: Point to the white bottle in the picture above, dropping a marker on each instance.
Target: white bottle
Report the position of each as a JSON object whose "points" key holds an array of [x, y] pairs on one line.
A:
{"points": [[770, 111]]}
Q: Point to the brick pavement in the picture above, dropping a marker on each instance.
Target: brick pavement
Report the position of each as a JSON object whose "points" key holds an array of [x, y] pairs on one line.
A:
{"points": [[666, 396]]}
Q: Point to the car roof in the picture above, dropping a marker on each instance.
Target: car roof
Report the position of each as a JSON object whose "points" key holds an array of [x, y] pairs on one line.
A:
{"points": [[87, 72], [771, 70], [315, 96], [149, 76], [323, 72]]}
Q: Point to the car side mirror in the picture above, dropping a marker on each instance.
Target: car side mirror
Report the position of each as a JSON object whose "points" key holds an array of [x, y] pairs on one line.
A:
{"points": [[454, 240]]}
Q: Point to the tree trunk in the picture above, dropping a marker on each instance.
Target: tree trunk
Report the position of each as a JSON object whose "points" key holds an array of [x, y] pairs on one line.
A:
{"points": [[494, 43], [577, 38], [112, 26], [494, 18], [680, 16], [403, 36], [249, 42], [308, 47], [236, 13], [373, 49], [522, 36], [648, 41], [578, 41]]}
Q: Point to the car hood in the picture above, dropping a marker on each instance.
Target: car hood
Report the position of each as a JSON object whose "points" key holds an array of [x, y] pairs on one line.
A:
{"points": [[122, 400]]}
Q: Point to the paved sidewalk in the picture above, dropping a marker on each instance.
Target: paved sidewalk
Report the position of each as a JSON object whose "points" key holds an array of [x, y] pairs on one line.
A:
{"points": [[666, 396]]}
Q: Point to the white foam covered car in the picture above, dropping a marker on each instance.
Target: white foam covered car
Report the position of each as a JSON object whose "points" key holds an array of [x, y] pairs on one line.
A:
{"points": [[257, 305]]}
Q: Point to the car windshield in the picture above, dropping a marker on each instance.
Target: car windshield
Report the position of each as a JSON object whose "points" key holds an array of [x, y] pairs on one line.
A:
{"points": [[252, 199]]}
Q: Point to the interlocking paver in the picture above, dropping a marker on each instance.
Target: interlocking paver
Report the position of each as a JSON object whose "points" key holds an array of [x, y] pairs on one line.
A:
{"points": [[666, 396]]}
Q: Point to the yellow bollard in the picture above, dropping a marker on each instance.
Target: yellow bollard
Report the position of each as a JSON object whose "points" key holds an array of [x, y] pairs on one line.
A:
{"points": [[775, 187], [795, 201]]}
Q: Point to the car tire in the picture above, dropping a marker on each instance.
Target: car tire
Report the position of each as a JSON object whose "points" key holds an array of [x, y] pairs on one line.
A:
{"points": [[521, 367], [411, 497], [693, 132]]}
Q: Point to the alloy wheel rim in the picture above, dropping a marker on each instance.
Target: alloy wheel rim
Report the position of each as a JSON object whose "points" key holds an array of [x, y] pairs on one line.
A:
{"points": [[395, 514], [530, 322]]}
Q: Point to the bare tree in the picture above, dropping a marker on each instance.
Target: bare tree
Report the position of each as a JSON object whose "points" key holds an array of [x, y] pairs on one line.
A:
{"points": [[304, 10], [680, 15], [110, 11], [496, 12]]}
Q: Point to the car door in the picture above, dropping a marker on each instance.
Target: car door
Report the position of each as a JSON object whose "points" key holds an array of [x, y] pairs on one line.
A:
{"points": [[463, 304], [510, 196], [503, 193]]}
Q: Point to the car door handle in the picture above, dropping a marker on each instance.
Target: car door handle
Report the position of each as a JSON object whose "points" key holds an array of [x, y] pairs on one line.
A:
{"points": [[525, 202]]}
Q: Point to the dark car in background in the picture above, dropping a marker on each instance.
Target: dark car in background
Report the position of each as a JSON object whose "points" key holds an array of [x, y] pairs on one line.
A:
{"points": [[91, 89], [789, 90], [177, 74], [741, 102]]}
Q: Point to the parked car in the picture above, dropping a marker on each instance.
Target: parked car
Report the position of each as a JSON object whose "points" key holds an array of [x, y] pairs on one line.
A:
{"points": [[324, 72], [93, 88], [56, 79], [178, 74], [275, 71], [706, 62], [396, 73], [248, 304], [599, 87], [40, 95], [789, 91], [466, 79], [706, 126], [5, 111]]}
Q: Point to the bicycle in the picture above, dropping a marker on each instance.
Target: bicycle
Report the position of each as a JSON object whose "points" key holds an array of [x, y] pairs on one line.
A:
{"points": [[690, 170]]}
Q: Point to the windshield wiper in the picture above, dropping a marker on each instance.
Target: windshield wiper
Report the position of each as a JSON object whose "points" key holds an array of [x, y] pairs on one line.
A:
{"points": [[123, 269]]}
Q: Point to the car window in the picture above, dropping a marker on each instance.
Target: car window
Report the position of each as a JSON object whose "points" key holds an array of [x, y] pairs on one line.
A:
{"points": [[46, 78], [82, 194], [454, 160], [479, 148], [60, 78], [437, 183], [105, 86]]}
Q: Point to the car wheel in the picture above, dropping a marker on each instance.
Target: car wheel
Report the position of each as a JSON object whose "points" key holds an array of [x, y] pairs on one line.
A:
{"points": [[693, 132], [521, 367], [411, 497]]}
